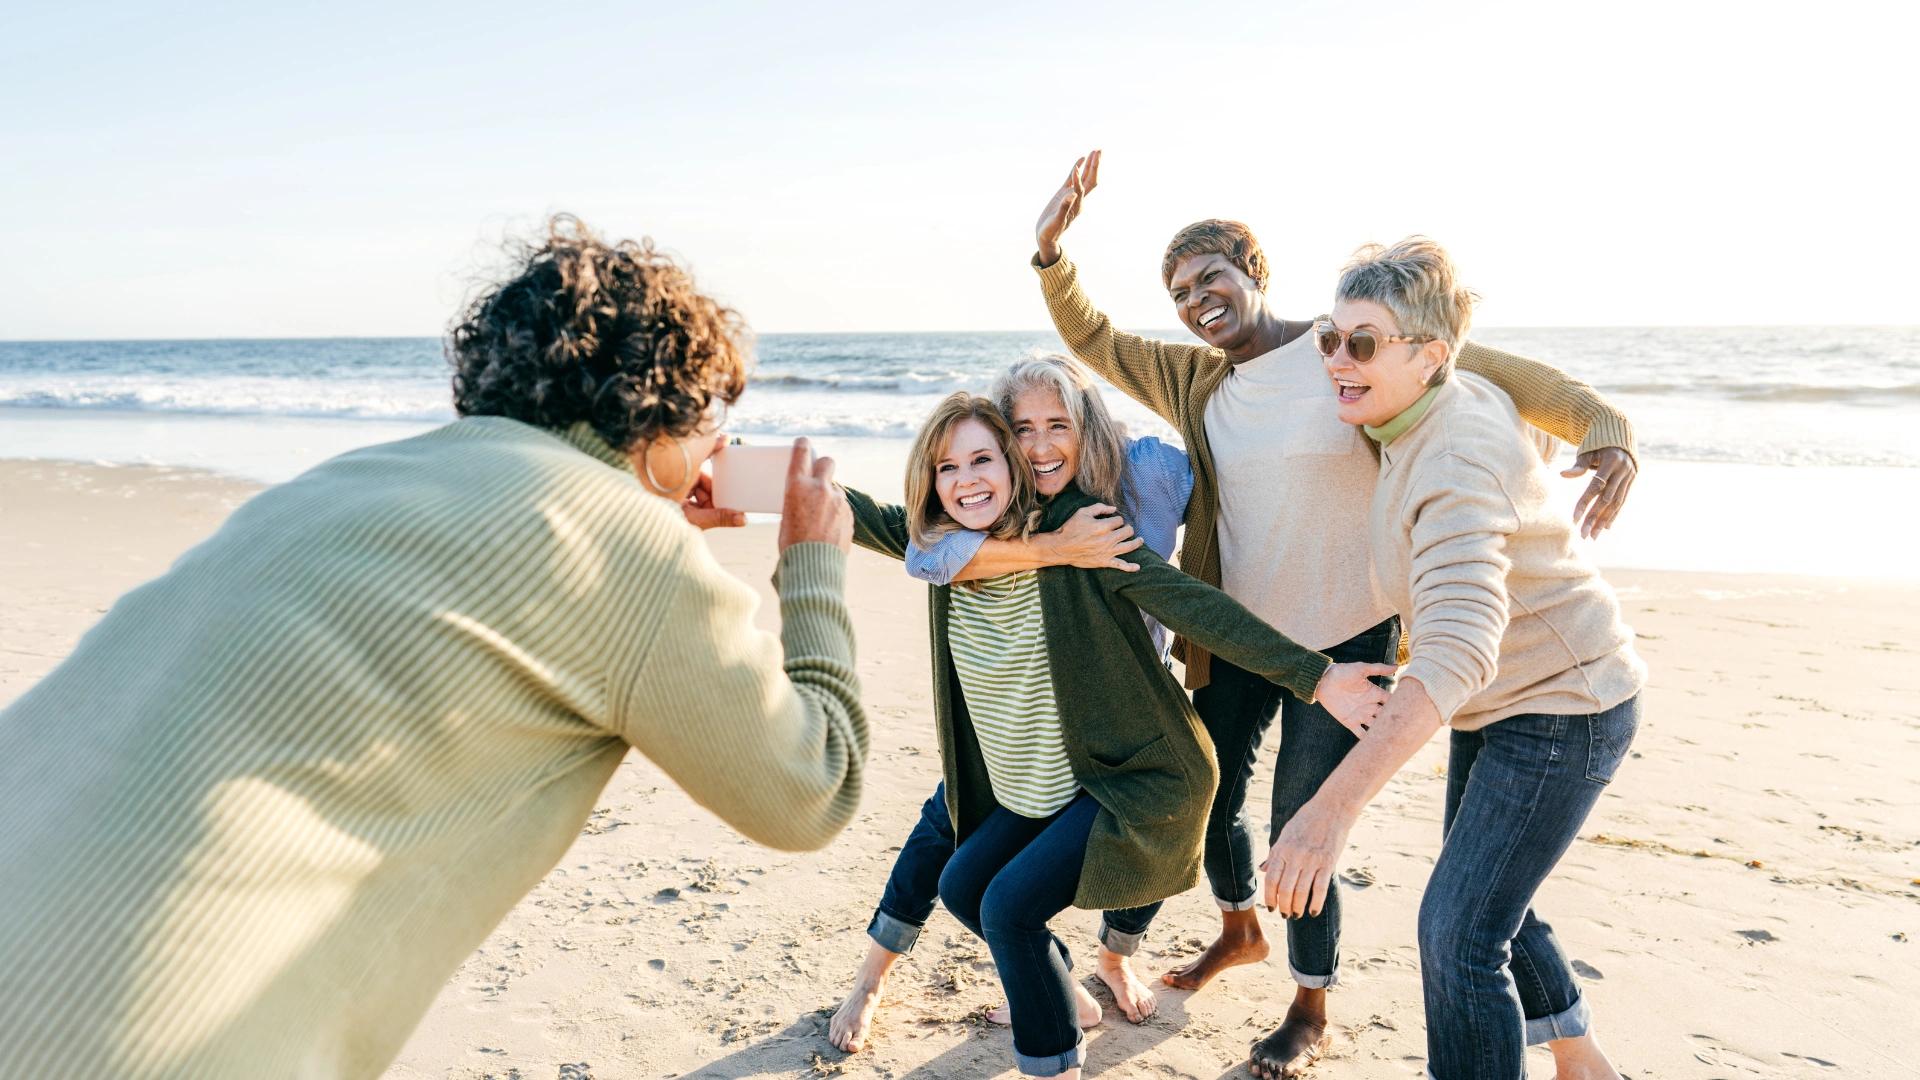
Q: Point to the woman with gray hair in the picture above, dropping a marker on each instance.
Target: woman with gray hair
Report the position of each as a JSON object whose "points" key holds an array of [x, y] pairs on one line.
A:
{"points": [[1516, 642]]}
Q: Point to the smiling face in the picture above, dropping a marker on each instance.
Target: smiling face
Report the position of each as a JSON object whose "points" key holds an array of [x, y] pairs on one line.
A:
{"points": [[1047, 438], [1381, 389], [1216, 300], [971, 476]]}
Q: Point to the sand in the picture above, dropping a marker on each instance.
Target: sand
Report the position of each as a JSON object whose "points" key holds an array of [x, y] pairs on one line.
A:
{"points": [[1742, 902]]}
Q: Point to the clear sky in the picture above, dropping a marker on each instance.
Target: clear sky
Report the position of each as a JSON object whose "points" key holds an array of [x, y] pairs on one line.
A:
{"points": [[348, 169]]}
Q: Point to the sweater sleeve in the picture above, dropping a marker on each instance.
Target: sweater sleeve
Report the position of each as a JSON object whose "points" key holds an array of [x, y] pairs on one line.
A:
{"points": [[773, 744], [878, 527], [1461, 519], [1550, 399], [1157, 374], [1216, 622], [939, 564]]}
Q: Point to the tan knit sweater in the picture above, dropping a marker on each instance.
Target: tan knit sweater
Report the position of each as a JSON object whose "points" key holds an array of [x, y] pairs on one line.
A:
{"points": [[1177, 380], [1504, 615], [272, 800]]}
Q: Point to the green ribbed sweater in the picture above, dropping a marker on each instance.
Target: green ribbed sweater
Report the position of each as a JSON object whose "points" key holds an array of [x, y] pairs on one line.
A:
{"points": [[270, 802], [1176, 380]]}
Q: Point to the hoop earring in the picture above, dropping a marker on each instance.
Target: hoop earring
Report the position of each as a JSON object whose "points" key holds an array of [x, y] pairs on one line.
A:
{"points": [[646, 469]]}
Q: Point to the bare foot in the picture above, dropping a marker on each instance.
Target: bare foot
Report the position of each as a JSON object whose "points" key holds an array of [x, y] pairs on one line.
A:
{"points": [[1135, 998], [1083, 1001], [1293, 1048], [1580, 1058], [854, 1018], [1240, 942]]}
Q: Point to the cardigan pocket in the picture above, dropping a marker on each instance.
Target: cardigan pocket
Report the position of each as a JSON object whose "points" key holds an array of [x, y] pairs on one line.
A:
{"points": [[1148, 787]]}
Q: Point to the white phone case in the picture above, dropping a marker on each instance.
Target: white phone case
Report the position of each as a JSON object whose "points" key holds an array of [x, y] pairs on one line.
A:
{"points": [[751, 478]]}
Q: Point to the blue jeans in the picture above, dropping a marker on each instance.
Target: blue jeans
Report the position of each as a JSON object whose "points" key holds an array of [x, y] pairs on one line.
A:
{"points": [[914, 885], [1495, 980], [1237, 706], [1009, 878]]}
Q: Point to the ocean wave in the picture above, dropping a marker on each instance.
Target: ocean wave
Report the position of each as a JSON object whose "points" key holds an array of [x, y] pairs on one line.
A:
{"points": [[943, 382], [326, 407], [1777, 394]]}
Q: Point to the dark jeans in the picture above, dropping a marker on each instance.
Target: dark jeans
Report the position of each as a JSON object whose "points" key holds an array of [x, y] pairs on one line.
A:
{"points": [[914, 885], [1237, 706], [1518, 791], [1010, 877]]}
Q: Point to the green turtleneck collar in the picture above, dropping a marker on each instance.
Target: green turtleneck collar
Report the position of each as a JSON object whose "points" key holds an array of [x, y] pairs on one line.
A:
{"points": [[1408, 417]]}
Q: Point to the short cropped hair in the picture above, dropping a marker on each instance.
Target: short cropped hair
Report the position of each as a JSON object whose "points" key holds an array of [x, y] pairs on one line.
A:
{"points": [[1415, 280], [611, 333], [1217, 236]]}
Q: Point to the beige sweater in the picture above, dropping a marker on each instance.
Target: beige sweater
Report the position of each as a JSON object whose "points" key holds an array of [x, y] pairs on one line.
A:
{"points": [[271, 801], [1505, 615]]}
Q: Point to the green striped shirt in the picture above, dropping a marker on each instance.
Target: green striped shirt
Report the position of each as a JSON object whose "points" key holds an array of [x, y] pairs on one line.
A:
{"points": [[999, 643]]}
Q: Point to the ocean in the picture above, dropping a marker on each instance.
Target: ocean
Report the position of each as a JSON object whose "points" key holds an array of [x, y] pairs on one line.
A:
{"points": [[1750, 434]]}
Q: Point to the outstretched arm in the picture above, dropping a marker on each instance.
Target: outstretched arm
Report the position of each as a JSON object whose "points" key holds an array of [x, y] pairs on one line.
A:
{"points": [[1574, 413], [878, 526], [1218, 623]]}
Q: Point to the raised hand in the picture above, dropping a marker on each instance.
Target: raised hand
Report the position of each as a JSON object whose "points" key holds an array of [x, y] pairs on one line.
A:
{"points": [[1065, 206], [1613, 473], [1347, 691]]}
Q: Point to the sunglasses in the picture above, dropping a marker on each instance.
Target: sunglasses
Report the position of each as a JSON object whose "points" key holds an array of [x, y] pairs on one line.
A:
{"points": [[1361, 344]]}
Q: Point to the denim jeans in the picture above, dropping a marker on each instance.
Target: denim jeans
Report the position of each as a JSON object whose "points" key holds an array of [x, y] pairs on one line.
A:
{"points": [[1010, 877], [1494, 977], [1237, 706], [914, 885]]}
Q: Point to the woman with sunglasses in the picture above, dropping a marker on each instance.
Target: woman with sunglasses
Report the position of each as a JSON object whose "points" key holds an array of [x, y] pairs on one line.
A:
{"points": [[1516, 643], [1279, 496]]}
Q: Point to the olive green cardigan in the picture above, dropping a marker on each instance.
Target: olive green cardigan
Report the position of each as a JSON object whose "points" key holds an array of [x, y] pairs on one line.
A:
{"points": [[1132, 737]]}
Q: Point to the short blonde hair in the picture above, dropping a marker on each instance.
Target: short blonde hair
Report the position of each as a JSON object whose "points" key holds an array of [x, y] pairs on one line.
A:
{"points": [[1217, 236], [1102, 471], [927, 519], [1415, 280]]}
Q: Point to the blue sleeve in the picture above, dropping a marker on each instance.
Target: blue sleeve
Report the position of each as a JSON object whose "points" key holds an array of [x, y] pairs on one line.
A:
{"points": [[939, 564], [1164, 470]]}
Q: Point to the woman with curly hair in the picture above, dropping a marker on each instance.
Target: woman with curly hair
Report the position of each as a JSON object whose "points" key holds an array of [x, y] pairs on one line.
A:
{"points": [[275, 797]]}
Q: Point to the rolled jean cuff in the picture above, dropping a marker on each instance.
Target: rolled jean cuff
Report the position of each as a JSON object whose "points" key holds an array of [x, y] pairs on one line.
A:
{"points": [[1569, 1023], [1315, 982], [1119, 942], [1052, 1064], [1238, 905], [893, 934]]}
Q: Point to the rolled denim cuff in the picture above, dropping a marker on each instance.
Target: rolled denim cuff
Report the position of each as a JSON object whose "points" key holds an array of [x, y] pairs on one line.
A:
{"points": [[1052, 1064], [893, 934], [1315, 982], [1569, 1023], [1119, 942], [1238, 905]]}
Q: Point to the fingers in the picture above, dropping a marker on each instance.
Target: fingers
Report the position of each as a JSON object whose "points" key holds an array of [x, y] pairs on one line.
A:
{"points": [[1078, 177], [1123, 565], [1322, 881], [1098, 510], [797, 465], [823, 470], [1371, 670], [1594, 490], [1093, 170], [1128, 543]]}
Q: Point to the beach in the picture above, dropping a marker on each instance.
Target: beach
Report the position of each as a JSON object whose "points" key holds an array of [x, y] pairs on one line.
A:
{"points": [[1742, 902]]}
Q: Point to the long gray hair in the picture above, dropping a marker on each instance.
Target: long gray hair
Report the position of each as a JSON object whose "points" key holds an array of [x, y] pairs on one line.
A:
{"points": [[1102, 472]]}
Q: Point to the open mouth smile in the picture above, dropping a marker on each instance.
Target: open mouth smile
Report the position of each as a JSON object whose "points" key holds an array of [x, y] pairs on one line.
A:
{"points": [[968, 502], [1350, 391], [1049, 468], [1213, 315]]}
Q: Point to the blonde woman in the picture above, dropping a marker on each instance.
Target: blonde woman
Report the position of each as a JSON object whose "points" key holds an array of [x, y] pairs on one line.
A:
{"points": [[1076, 772]]}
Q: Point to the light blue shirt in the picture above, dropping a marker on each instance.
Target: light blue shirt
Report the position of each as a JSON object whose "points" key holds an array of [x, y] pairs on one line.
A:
{"points": [[1162, 484]]}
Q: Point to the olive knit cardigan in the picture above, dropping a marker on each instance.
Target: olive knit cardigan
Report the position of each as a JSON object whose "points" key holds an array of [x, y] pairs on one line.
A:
{"points": [[1131, 735]]}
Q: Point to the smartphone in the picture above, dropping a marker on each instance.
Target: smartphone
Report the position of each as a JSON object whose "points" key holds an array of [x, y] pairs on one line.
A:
{"points": [[751, 478]]}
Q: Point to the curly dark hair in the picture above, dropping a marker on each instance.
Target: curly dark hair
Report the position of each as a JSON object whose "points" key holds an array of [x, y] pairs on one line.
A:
{"points": [[614, 334], [1217, 236]]}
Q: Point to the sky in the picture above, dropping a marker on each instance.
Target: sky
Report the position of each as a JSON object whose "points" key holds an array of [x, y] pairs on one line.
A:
{"points": [[264, 170]]}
